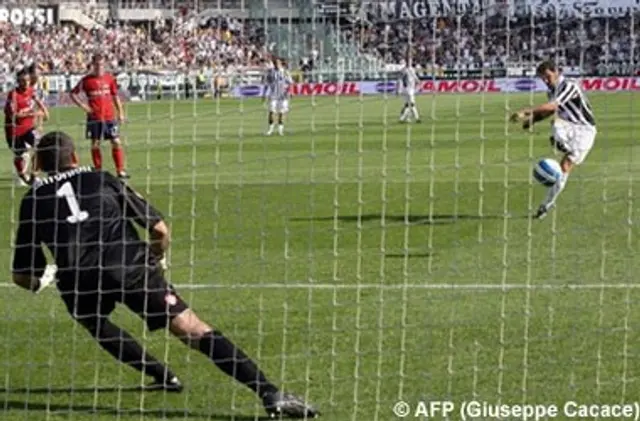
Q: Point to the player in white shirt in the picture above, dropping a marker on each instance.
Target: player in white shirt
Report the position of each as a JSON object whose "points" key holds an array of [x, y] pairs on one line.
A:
{"points": [[408, 84], [277, 81], [574, 127]]}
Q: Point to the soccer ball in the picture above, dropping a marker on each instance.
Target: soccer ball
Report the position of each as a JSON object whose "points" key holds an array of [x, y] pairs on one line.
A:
{"points": [[547, 171]]}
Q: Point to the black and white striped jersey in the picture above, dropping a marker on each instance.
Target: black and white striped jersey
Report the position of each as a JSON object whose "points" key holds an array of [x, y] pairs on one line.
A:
{"points": [[277, 83], [573, 105]]}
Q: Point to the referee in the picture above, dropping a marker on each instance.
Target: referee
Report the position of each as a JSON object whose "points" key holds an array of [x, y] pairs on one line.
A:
{"points": [[86, 219]]}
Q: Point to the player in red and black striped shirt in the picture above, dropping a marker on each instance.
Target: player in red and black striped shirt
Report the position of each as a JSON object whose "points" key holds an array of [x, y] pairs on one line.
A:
{"points": [[101, 90]]}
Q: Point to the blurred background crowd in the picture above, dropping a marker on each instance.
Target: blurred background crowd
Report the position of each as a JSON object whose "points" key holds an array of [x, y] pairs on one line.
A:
{"points": [[192, 34]]}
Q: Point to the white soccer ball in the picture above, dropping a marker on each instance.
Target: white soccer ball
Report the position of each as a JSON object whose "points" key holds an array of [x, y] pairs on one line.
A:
{"points": [[547, 171]]}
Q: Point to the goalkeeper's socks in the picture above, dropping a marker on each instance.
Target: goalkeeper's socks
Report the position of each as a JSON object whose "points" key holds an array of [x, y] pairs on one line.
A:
{"points": [[96, 157], [234, 362], [126, 349]]}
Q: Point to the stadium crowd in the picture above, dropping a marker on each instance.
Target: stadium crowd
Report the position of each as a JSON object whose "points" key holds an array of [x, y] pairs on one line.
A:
{"points": [[67, 47], [494, 40], [471, 41]]}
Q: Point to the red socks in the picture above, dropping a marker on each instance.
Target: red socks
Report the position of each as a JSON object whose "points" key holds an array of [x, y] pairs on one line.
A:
{"points": [[19, 164], [118, 158], [96, 156]]}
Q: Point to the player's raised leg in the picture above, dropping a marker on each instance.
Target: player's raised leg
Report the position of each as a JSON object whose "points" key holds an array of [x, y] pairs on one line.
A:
{"points": [[576, 148], [555, 190]]}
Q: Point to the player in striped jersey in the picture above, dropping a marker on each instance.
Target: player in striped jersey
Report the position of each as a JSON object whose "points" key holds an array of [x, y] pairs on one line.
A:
{"points": [[574, 127], [277, 81], [408, 83]]}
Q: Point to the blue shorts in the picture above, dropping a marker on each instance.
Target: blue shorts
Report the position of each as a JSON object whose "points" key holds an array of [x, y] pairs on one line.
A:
{"points": [[102, 130]]}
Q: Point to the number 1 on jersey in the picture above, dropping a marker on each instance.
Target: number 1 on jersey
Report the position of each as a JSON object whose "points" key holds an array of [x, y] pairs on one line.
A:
{"points": [[77, 215]]}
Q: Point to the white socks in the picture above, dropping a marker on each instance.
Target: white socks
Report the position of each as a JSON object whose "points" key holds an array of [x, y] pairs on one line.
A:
{"points": [[409, 110], [554, 191], [280, 129]]}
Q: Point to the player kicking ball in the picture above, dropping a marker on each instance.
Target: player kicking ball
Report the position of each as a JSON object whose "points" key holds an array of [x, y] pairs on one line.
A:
{"points": [[408, 84], [277, 81], [85, 218], [22, 111], [101, 91], [574, 128]]}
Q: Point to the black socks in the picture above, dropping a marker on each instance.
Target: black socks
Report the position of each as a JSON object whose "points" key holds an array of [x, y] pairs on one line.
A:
{"points": [[234, 362], [125, 348]]}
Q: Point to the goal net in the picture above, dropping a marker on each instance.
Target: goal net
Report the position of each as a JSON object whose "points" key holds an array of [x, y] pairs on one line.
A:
{"points": [[366, 264]]}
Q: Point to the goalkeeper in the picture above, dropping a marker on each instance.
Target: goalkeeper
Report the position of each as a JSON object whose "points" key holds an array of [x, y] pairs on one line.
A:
{"points": [[85, 217]]}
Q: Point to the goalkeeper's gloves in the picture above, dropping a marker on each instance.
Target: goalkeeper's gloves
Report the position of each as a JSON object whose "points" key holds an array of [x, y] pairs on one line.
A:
{"points": [[47, 278]]}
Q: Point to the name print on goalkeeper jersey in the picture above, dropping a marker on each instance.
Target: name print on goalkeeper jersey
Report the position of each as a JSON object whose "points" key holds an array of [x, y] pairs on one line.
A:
{"points": [[81, 216]]}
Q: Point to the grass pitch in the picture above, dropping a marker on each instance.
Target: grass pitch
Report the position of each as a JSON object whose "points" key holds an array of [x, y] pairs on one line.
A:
{"points": [[359, 260]]}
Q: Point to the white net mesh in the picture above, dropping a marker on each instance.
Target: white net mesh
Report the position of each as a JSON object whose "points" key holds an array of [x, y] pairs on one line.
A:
{"points": [[361, 261]]}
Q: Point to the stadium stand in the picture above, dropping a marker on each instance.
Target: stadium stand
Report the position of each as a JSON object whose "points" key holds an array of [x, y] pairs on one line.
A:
{"points": [[189, 34]]}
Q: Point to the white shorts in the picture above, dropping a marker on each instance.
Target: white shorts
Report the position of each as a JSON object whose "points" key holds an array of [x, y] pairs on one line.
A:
{"points": [[279, 106], [410, 97], [575, 140]]}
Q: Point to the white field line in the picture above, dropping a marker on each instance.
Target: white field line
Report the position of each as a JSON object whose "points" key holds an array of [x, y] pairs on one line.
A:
{"points": [[184, 182], [419, 173], [398, 287]]}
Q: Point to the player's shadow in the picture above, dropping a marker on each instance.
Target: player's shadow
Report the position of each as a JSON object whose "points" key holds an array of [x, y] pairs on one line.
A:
{"points": [[75, 390], [410, 255], [17, 405], [436, 219]]}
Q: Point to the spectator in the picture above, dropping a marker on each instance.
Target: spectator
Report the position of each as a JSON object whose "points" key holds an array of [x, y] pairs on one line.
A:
{"points": [[477, 40], [66, 48], [469, 41]]}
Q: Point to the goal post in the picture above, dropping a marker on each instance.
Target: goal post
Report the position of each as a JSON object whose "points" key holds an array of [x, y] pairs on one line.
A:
{"points": [[381, 270]]}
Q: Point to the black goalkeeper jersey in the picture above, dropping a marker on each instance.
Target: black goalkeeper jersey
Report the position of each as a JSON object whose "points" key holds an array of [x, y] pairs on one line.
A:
{"points": [[85, 218]]}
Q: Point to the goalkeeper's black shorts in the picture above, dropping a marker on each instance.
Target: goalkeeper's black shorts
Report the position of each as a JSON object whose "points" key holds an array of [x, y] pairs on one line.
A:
{"points": [[152, 298]]}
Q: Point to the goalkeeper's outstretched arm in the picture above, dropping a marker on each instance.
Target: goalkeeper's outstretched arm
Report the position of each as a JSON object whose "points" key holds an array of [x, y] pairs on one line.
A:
{"points": [[30, 269]]}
